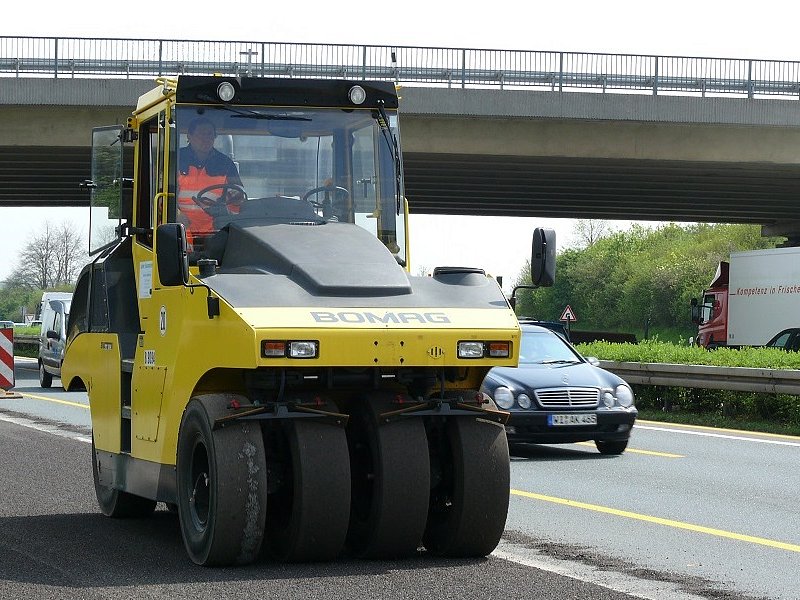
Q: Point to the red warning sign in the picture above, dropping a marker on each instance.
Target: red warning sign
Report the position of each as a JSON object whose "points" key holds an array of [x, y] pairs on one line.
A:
{"points": [[568, 315]]}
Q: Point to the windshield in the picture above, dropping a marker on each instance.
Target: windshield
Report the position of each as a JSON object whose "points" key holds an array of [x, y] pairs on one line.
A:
{"points": [[235, 162], [707, 309], [544, 347]]}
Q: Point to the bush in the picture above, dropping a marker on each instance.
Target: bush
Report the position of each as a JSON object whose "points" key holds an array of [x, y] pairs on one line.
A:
{"points": [[783, 409]]}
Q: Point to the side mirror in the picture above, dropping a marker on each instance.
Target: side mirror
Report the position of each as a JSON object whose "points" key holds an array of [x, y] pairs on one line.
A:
{"points": [[543, 257], [52, 335], [695, 312], [171, 254]]}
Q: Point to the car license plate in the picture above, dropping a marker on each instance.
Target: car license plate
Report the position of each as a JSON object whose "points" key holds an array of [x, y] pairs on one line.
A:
{"points": [[562, 420]]}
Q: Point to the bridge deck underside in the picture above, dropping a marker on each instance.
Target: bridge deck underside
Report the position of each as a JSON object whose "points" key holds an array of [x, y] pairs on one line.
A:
{"points": [[461, 184], [602, 188]]}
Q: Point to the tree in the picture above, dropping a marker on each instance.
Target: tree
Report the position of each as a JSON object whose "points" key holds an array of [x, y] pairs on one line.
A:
{"points": [[14, 299], [628, 279], [588, 231], [51, 259]]}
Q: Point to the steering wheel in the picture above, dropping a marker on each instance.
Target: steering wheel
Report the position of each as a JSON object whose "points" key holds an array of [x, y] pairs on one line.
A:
{"points": [[212, 206], [324, 188]]}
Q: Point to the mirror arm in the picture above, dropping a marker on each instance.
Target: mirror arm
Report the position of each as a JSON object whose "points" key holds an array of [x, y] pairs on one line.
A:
{"points": [[513, 300], [211, 301], [125, 230]]}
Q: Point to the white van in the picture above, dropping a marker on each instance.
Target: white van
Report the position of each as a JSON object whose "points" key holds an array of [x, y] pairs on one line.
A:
{"points": [[53, 337]]}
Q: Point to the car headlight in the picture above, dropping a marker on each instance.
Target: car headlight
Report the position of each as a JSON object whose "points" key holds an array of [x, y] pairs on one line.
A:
{"points": [[524, 401], [503, 397], [608, 399], [624, 395]]}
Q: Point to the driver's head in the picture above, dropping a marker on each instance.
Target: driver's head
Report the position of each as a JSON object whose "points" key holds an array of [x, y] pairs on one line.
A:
{"points": [[201, 135]]}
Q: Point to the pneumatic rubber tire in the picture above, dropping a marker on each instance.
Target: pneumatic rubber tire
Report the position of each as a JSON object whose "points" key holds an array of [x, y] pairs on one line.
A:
{"points": [[391, 481], [469, 503], [116, 503], [222, 484], [308, 515]]}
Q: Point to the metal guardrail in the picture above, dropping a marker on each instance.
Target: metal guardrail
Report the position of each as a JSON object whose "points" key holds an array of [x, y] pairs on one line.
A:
{"points": [[742, 379], [555, 71], [26, 340]]}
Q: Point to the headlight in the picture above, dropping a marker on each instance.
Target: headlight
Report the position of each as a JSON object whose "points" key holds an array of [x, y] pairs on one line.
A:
{"points": [[503, 397], [608, 399], [470, 349], [524, 401], [226, 91], [624, 396], [357, 94]]}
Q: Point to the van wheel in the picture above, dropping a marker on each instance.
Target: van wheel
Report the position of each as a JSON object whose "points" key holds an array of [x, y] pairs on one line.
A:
{"points": [[45, 379]]}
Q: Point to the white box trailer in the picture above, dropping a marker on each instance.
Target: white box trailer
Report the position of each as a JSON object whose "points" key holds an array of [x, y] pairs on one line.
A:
{"points": [[763, 295]]}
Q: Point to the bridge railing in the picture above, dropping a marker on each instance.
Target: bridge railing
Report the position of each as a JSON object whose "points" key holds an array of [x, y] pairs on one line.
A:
{"points": [[448, 67]]}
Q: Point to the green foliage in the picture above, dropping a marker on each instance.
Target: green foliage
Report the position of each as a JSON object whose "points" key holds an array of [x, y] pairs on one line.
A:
{"points": [[781, 409], [656, 351], [12, 299], [639, 278]]}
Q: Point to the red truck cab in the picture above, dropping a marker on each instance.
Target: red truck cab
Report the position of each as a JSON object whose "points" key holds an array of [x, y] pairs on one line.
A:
{"points": [[711, 317]]}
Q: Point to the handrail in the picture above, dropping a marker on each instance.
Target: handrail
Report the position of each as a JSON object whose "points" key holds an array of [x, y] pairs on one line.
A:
{"points": [[480, 68], [742, 379]]}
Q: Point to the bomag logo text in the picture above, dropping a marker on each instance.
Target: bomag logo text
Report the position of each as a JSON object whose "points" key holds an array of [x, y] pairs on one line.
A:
{"points": [[386, 317]]}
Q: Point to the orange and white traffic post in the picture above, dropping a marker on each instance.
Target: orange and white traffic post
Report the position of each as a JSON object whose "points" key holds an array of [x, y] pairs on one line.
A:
{"points": [[7, 363]]}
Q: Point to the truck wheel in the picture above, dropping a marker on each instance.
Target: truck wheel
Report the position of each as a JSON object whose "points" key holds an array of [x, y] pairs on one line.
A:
{"points": [[391, 482], [612, 448], [469, 501], [116, 503], [307, 517], [45, 379], [222, 484]]}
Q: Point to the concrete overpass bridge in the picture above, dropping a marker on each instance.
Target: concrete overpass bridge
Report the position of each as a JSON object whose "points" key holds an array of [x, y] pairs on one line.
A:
{"points": [[645, 141]]}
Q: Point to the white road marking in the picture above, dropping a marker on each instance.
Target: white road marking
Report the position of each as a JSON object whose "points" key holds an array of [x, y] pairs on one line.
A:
{"points": [[646, 589], [23, 422], [720, 435]]}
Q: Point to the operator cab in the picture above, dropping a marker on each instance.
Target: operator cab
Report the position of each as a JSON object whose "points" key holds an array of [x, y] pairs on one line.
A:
{"points": [[320, 154], [319, 167]]}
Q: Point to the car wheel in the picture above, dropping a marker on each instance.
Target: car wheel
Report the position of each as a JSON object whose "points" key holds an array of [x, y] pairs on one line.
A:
{"points": [[45, 379], [612, 448]]}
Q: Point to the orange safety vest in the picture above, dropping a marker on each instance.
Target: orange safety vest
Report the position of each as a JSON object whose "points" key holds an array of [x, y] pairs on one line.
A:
{"points": [[197, 220]]}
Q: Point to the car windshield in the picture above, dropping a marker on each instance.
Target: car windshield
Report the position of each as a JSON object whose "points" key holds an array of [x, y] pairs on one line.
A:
{"points": [[314, 164], [545, 347]]}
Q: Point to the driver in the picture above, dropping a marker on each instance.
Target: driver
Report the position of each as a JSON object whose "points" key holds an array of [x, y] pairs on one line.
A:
{"points": [[199, 166]]}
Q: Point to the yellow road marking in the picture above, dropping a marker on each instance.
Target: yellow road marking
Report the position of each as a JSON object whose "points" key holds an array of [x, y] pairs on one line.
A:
{"points": [[636, 451], [706, 428], [659, 521], [67, 402]]}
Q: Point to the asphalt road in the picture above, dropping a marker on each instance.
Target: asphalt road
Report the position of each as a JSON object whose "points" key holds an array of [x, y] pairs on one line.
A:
{"points": [[684, 513]]}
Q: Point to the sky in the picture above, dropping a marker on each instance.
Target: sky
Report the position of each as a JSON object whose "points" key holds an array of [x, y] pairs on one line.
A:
{"points": [[500, 245]]}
